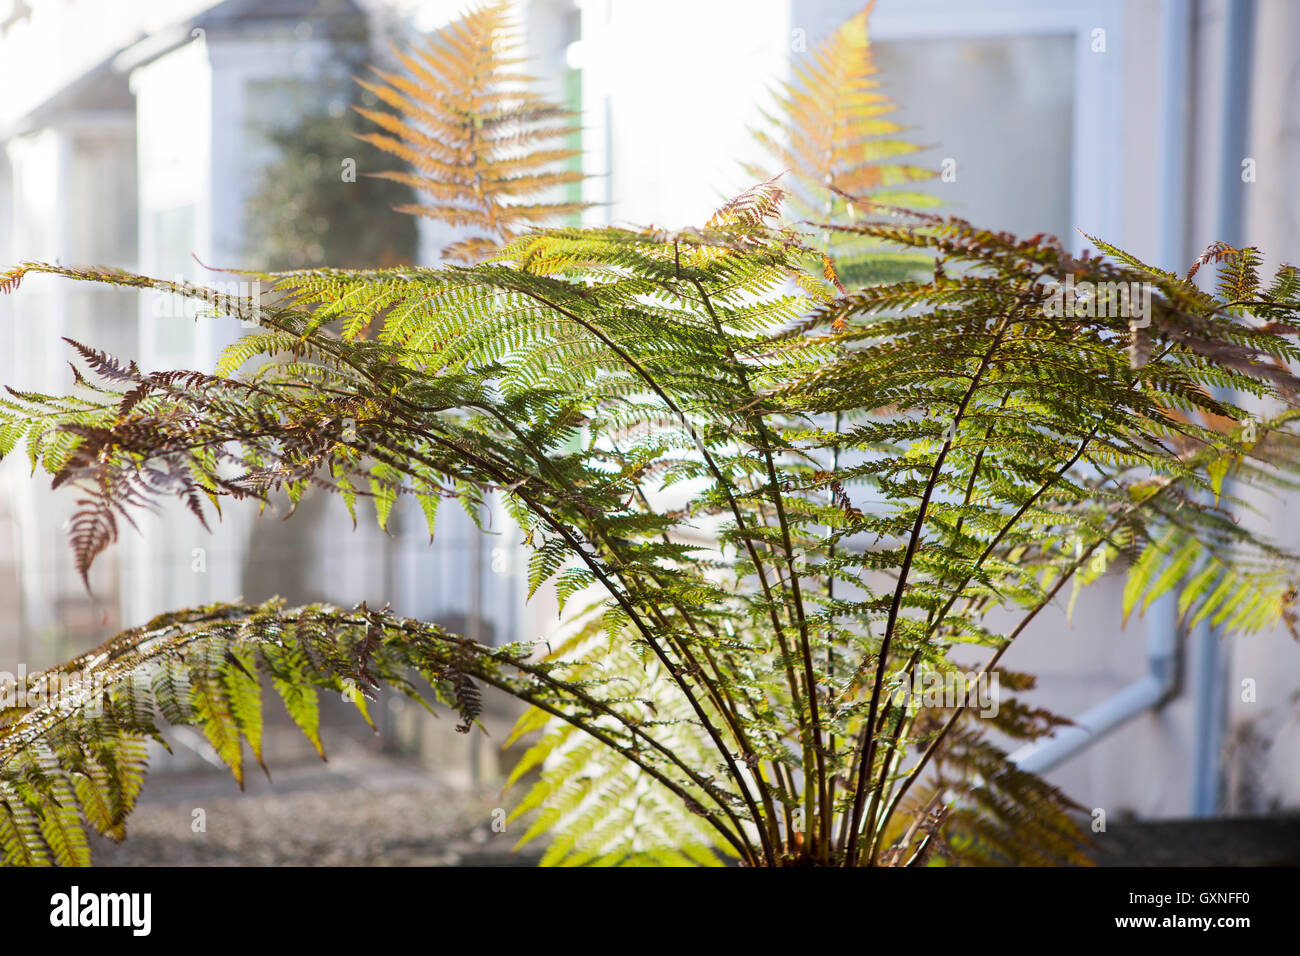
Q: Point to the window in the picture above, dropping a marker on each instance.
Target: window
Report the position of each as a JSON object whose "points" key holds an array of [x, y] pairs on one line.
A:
{"points": [[1050, 75], [998, 114]]}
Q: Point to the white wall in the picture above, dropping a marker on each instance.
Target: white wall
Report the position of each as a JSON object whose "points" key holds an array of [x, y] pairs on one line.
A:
{"points": [[670, 91]]}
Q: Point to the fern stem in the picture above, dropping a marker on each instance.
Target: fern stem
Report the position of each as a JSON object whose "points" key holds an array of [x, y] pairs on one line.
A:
{"points": [[810, 679], [734, 712], [672, 406], [628, 608], [883, 782], [1047, 598], [868, 764]]}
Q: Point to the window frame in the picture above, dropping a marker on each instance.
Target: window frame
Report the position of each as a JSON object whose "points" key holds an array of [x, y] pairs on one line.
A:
{"points": [[1098, 101]]}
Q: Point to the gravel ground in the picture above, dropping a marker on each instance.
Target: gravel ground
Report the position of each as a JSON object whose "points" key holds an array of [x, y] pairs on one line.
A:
{"points": [[366, 808], [359, 809], [1243, 841]]}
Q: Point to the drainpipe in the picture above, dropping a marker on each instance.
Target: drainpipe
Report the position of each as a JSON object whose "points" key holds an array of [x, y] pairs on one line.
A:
{"points": [[1210, 680], [1160, 682], [1148, 692], [474, 631]]}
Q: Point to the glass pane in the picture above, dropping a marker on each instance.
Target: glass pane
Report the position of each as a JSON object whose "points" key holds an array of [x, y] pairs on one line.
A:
{"points": [[1002, 109], [174, 239]]}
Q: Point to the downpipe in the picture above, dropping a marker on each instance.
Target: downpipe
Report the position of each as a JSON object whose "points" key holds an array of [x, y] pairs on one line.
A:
{"points": [[1164, 657], [1159, 684]]}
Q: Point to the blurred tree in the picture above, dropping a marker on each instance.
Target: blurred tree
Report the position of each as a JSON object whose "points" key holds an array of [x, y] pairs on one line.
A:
{"points": [[317, 204]]}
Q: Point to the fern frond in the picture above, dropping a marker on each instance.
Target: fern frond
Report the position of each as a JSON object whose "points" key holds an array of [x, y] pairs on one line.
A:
{"points": [[479, 140]]}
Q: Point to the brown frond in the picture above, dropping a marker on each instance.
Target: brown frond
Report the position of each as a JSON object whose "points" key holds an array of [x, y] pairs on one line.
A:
{"points": [[830, 125], [479, 141]]}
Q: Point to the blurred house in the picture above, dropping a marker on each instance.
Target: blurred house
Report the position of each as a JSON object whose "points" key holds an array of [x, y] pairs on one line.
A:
{"points": [[130, 139], [134, 135]]}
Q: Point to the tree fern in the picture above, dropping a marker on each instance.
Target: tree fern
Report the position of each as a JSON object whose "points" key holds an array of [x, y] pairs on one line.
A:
{"points": [[991, 452], [772, 505]]}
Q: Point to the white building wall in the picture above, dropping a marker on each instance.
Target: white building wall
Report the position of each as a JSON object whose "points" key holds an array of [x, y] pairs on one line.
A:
{"points": [[670, 91]]}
